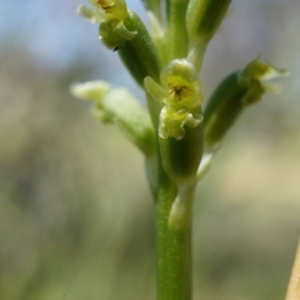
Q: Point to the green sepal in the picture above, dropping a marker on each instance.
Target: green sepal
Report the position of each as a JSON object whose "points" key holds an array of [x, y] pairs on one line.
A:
{"points": [[118, 106], [95, 16], [156, 90], [139, 53]]}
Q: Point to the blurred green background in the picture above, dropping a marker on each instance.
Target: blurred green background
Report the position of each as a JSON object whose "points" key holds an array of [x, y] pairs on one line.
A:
{"points": [[76, 215]]}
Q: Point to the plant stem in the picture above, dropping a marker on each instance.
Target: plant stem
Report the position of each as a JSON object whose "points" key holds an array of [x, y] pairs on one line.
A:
{"points": [[176, 29], [174, 281], [197, 53]]}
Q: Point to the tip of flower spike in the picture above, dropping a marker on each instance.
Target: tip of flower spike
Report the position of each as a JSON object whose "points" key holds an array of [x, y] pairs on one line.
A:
{"points": [[93, 90]]}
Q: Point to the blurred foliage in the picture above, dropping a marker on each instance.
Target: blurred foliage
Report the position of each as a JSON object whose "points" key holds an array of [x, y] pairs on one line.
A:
{"points": [[76, 215]]}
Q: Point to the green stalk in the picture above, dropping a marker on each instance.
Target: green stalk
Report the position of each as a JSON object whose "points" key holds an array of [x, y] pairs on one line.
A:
{"points": [[174, 268], [177, 36]]}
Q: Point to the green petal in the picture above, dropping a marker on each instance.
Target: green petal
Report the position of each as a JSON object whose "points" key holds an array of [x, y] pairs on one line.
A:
{"points": [[154, 89], [92, 15], [262, 70]]}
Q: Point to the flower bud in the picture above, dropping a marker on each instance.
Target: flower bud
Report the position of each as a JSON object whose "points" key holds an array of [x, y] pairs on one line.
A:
{"points": [[204, 17], [236, 92], [117, 105]]}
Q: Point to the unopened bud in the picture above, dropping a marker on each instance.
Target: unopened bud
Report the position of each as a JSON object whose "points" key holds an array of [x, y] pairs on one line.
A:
{"points": [[237, 91], [204, 17]]}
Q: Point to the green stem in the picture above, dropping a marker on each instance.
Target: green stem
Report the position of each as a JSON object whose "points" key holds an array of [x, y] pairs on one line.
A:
{"points": [[176, 29], [197, 53], [173, 249]]}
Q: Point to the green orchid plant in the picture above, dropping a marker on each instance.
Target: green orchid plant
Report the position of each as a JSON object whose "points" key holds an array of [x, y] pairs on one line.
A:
{"points": [[177, 136]]}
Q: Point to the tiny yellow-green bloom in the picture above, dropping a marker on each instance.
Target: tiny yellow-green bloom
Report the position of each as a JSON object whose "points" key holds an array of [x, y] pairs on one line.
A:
{"points": [[180, 91]]}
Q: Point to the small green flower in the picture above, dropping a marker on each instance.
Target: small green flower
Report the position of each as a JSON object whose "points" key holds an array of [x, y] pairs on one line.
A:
{"points": [[180, 91]]}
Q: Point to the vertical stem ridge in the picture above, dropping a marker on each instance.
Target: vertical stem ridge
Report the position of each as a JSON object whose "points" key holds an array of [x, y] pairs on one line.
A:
{"points": [[176, 29], [174, 252]]}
